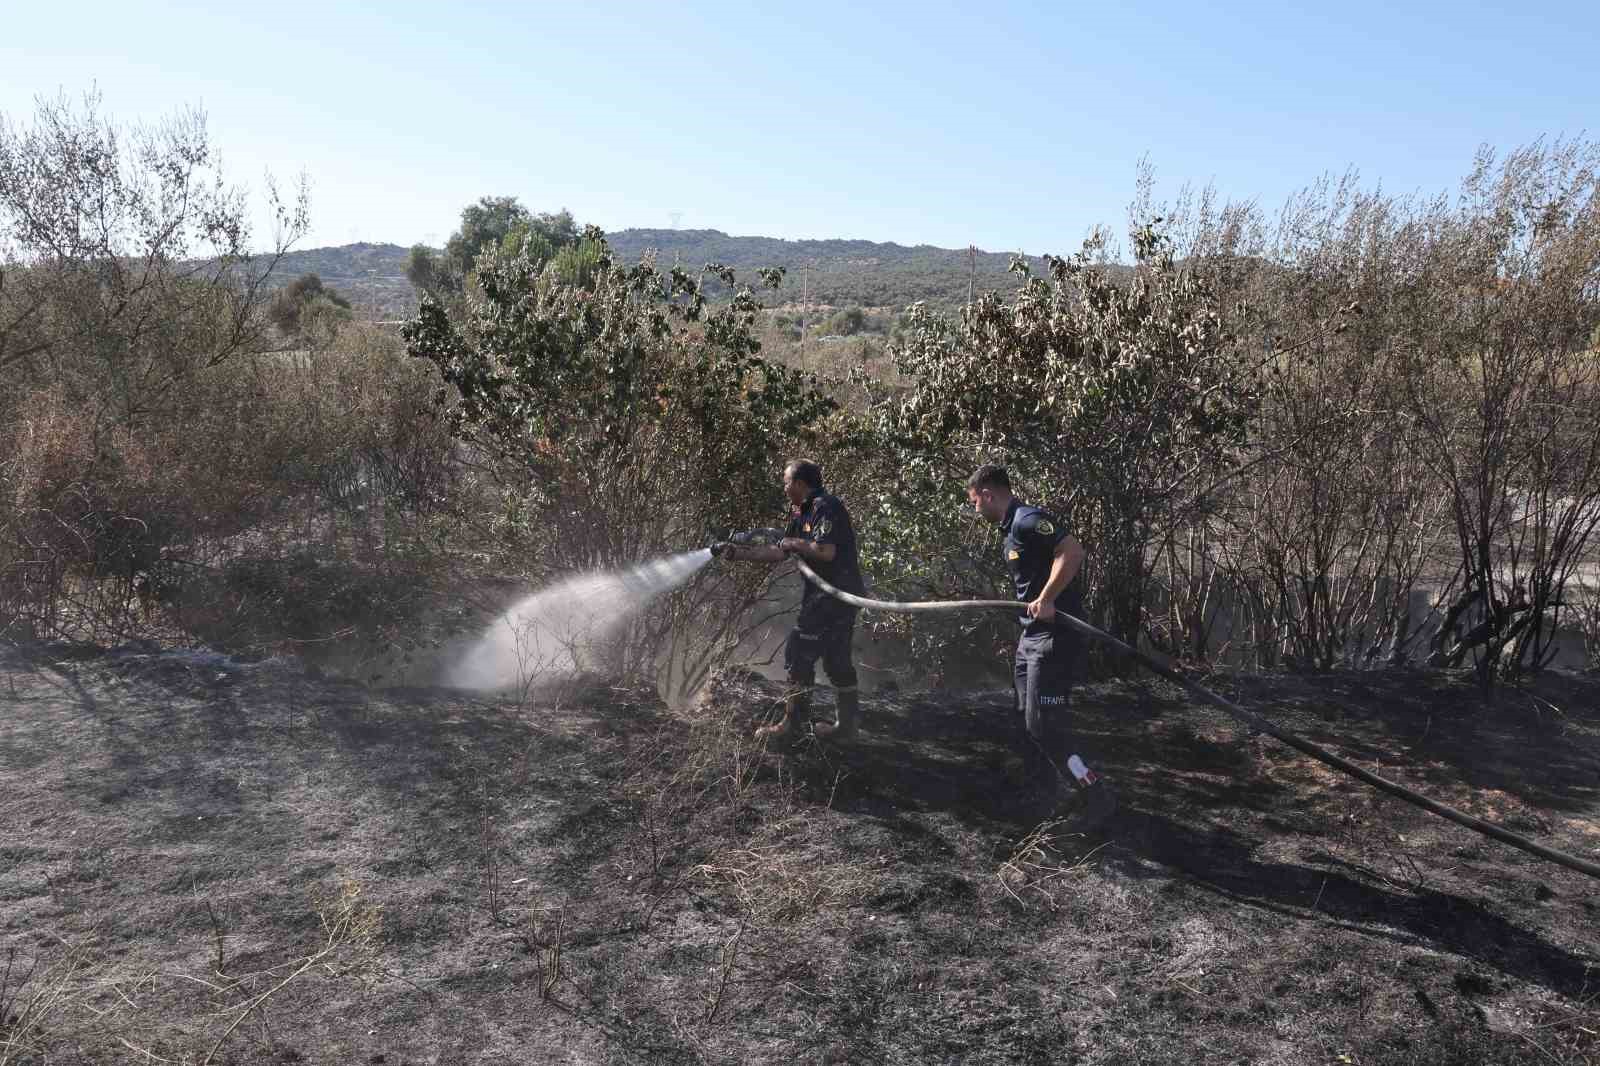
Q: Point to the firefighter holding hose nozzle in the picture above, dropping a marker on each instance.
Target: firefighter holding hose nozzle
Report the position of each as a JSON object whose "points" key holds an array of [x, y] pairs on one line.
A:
{"points": [[820, 533]]}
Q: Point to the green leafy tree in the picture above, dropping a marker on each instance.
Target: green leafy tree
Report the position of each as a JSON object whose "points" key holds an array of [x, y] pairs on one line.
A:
{"points": [[425, 269], [543, 234], [630, 413], [484, 225], [493, 222], [576, 264], [847, 323], [304, 299]]}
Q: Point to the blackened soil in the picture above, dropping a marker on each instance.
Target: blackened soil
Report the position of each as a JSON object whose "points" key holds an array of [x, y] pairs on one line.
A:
{"points": [[186, 846]]}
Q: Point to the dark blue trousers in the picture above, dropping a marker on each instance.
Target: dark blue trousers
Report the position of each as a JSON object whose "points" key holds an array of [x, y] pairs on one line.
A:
{"points": [[1043, 675], [823, 633]]}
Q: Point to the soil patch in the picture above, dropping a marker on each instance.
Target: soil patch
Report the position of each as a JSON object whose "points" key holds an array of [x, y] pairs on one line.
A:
{"points": [[198, 853]]}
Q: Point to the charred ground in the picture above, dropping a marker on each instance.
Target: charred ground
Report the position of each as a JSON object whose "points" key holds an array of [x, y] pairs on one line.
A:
{"points": [[343, 874]]}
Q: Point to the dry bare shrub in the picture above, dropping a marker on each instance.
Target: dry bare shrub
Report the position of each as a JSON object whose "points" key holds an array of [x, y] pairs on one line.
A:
{"points": [[94, 530], [124, 256], [1501, 384], [37, 448], [124, 277], [240, 499], [162, 466], [1327, 533], [378, 452], [362, 479], [285, 500], [1431, 412]]}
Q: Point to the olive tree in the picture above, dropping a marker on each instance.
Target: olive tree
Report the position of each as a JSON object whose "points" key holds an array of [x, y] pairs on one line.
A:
{"points": [[125, 255], [491, 222]]}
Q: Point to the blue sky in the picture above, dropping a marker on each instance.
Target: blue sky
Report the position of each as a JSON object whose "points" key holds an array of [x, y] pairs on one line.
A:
{"points": [[1010, 125]]}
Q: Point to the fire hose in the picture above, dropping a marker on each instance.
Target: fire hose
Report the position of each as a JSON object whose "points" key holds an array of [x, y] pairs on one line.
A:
{"points": [[1248, 718]]}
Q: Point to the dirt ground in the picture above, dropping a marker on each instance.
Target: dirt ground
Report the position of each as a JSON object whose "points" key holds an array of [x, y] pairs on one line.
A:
{"points": [[206, 858]]}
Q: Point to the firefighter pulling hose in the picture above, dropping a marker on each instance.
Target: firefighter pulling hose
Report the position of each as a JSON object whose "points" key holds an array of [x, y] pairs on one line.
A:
{"points": [[1248, 718]]}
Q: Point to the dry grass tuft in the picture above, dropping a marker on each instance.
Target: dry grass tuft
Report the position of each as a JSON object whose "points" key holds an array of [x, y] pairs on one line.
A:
{"points": [[1043, 869]]}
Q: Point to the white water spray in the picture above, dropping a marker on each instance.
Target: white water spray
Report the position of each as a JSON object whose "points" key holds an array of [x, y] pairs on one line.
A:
{"points": [[545, 636]]}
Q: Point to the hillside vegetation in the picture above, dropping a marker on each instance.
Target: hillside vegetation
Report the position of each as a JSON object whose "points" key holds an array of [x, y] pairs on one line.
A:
{"points": [[830, 273]]}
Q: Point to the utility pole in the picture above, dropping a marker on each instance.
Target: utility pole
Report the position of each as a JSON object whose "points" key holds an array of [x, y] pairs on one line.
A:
{"points": [[805, 305]]}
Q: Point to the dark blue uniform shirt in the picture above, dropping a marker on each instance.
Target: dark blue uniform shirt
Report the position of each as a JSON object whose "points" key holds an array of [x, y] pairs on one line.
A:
{"points": [[822, 519], [1031, 538]]}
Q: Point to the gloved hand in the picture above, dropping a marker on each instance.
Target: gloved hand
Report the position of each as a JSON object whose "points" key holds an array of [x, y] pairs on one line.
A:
{"points": [[718, 548]]}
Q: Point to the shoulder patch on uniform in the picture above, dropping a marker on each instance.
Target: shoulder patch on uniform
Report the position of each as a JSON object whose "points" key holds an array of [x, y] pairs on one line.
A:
{"points": [[1045, 526], [1013, 555], [822, 528]]}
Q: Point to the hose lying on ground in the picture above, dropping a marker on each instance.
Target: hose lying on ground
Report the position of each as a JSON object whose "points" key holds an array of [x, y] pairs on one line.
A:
{"points": [[1254, 721]]}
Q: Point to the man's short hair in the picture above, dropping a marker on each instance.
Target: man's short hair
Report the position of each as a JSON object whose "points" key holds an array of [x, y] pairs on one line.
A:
{"points": [[989, 476], [805, 470]]}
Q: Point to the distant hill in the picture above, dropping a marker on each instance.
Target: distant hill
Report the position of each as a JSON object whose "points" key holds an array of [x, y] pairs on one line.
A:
{"points": [[839, 273], [371, 276]]}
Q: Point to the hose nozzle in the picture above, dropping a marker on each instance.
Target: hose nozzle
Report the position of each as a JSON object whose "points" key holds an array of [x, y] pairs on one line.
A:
{"points": [[746, 538], [757, 537]]}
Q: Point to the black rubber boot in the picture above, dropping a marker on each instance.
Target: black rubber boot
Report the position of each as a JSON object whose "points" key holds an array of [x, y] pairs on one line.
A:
{"points": [[1097, 803], [847, 719]]}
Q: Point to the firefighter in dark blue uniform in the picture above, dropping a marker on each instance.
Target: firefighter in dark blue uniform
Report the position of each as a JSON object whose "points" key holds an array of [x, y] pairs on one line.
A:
{"points": [[819, 532], [1043, 559]]}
